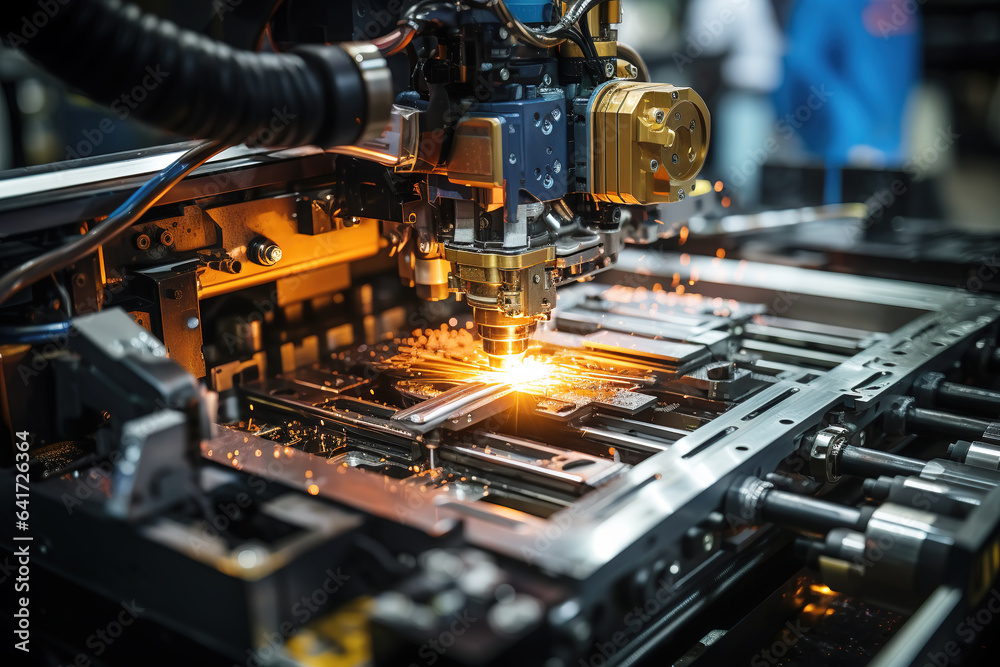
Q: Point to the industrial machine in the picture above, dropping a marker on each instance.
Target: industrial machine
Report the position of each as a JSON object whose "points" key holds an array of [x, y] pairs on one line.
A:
{"points": [[233, 437]]}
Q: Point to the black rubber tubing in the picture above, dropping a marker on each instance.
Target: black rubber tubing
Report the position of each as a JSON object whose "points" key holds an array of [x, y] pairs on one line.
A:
{"points": [[143, 66]]}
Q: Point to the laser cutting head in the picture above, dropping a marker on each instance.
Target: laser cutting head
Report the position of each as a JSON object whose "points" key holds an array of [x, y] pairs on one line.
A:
{"points": [[509, 294], [505, 339], [533, 185]]}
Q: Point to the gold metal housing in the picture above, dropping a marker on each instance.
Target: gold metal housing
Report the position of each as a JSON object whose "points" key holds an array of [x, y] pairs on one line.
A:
{"points": [[648, 142], [509, 294]]}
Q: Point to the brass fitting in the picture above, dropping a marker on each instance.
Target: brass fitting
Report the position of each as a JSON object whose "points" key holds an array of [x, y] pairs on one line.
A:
{"points": [[648, 142], [509, 294]]}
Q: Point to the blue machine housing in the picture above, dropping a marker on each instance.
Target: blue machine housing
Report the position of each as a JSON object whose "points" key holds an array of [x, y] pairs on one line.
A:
{"points": [[531, 11]]}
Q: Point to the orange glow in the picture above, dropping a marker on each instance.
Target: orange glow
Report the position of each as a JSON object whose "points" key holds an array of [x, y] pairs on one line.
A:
{"points": [[685, 259], [726, 202], [822, 589], [718, 186], [680, 289], [313, 489], [684, 234], [720, 253]]}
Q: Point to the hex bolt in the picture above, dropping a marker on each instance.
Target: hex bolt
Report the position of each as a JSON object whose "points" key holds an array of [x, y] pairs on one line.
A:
{"points": [[142, 242]]}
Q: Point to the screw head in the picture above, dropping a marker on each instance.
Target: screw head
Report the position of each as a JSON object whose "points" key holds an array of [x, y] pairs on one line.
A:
{"points": [[617, 214], [692, 125], [536, 279], [548, 182], [504, 74], [547, 80], [609, 70], [556, 166], [659, 116], [556, 114], [675, 159], [503, 33], [680, 194], [673, 95], [653, 166], [166, 238], [142, 241], [512, 158], [546, 126]]}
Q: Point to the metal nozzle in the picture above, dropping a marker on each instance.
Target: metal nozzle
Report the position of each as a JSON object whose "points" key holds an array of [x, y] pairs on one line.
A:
{"points": [[505, 339]]}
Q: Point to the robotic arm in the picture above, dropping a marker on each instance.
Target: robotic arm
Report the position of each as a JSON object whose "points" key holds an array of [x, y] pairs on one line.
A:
{"points": [[515, 138]]}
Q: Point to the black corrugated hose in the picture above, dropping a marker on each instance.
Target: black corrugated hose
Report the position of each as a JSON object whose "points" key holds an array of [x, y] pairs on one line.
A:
{"points": [[181, 81]]}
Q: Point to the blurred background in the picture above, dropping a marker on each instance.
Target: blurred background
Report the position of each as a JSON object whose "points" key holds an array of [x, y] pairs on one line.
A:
{"points": [[813, 102]]}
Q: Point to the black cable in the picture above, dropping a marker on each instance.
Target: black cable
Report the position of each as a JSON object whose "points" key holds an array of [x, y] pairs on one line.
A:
{"points": [[120, 219], [189, 84], [591, 49]]}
